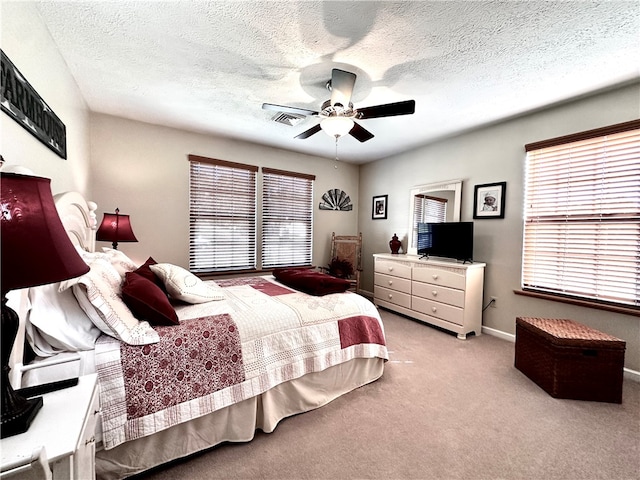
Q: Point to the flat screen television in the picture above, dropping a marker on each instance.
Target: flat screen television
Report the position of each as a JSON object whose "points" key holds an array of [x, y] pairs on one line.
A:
{"points": [[449, 240]]}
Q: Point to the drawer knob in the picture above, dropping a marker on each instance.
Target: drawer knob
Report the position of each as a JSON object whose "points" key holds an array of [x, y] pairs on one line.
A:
{"points": [[390, 282], [435, 277], [434, 293], [390, 296], [391, 269], [434, 309]]}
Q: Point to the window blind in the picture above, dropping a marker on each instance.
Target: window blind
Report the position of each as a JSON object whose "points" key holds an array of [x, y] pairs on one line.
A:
{"points": [[427, 209], [287, 218], [582, 216], [222, 215]]}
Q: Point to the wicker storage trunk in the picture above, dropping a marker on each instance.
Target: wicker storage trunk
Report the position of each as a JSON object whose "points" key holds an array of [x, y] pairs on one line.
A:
{"points": [[570, 360]]}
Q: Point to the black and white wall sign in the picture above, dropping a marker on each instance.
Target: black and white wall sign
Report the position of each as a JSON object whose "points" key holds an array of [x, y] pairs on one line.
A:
{"points": [[22, 103]]}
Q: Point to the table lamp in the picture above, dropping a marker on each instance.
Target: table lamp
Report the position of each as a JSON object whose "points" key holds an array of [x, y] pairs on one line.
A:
{"points": [[36, 250], [115, 227]]}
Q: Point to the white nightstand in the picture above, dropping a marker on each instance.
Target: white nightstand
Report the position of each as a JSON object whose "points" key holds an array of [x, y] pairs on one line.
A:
{"points": [[65, 427]]}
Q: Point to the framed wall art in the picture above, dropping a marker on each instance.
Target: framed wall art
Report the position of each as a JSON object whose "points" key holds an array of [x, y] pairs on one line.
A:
{"points": [[489, 200], [379, 208]]}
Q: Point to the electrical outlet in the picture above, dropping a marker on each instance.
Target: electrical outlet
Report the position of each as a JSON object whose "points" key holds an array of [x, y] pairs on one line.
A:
{"points": [[494, 300]]}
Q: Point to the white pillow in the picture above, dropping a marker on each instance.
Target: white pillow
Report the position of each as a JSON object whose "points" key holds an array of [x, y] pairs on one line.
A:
{"points": [[184, 285], [98, 293], [56, 323], [119, 260]]}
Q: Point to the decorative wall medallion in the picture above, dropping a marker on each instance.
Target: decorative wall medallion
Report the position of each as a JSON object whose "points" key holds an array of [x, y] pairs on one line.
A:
{"points": [[336, 199]]}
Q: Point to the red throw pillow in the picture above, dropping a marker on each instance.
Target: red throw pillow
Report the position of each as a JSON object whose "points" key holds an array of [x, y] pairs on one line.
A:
{"points": [[310, 281], [147, 302], [146, 272]]}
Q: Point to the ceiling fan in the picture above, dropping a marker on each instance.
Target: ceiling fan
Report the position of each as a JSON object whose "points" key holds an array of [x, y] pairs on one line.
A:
{"points": [[337, 113]]}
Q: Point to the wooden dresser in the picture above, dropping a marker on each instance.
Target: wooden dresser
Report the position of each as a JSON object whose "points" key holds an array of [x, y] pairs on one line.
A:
{"points": [[446, 294]]}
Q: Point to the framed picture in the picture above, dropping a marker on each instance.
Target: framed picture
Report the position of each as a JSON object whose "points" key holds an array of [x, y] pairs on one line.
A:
{"points": [[379, 209], [488, 200]]}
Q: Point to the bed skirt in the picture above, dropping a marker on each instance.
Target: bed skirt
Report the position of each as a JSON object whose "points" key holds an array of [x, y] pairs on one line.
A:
{"points": [[238, 422]]}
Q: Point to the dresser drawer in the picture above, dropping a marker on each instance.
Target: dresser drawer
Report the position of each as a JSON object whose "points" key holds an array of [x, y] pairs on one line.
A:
{"points": [[446, 278], [392, 296], [393, 268], [394, 283], [440, 310], [437, 293]]}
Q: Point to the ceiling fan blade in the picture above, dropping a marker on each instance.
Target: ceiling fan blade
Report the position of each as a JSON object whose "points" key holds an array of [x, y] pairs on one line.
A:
{"points": [[342, 87], [293, 110], [360, 133], [388, 110], [307, 133]]}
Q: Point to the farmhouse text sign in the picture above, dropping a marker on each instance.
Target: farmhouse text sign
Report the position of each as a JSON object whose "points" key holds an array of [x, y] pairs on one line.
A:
{"points": [[22, 103]]}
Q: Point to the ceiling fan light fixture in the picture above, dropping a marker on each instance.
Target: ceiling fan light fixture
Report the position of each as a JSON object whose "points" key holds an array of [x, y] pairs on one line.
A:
{"points": [[336, 126]]}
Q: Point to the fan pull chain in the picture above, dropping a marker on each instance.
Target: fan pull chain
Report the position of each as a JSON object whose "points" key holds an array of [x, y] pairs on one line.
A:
{"points": [[336, 164]]}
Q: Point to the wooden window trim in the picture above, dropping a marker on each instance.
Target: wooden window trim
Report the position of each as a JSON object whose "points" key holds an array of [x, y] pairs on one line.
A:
{"points": [[580, 302], [287, 173], [222, 163], [577, 137]]}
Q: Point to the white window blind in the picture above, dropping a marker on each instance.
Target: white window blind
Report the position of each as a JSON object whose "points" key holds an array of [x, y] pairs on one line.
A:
{"points": [[427, 209], [582, 216], [222, 215], [287, 218]]}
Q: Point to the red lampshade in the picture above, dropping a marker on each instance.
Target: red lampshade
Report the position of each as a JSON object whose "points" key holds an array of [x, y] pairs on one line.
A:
{"points": [[36, 250], [115, 227]]}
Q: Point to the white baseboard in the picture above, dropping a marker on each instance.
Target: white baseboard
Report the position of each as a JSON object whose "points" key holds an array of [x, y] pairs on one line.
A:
{"points": [[629, 374], [499, 333]]}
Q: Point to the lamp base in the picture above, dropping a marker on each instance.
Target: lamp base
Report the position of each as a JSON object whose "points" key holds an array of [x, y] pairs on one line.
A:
{"points": [[17, 411], [20, 422]]}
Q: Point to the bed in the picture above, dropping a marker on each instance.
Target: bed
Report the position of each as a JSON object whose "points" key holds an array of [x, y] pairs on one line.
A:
{"points": [[224, 359]]}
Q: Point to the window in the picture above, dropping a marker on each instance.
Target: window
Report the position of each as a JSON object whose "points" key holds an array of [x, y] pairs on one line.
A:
{"points": [[224, 217], [582, 216], [287, 218]]}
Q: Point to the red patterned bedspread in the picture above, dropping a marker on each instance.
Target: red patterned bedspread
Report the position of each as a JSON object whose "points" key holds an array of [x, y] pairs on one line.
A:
{"points": [[263, 334]]}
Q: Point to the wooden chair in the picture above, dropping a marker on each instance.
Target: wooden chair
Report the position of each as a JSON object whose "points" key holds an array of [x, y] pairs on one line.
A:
{"points": [[346, 248]]}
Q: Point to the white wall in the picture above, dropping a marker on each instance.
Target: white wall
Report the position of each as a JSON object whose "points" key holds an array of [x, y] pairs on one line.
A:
{"points": [[496, 154], [28, 45], [143, 170]]}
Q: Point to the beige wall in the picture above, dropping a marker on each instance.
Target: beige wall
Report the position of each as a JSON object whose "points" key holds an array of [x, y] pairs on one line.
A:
{"points": [[496, 154], [28, 45], [143, 170]]}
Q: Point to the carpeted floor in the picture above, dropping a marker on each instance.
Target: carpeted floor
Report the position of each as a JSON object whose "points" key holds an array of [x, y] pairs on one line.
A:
{"points": [[444, 409]]}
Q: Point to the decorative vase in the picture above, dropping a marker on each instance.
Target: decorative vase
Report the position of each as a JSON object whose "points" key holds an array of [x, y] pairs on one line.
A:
{"points": [[395, 244]]}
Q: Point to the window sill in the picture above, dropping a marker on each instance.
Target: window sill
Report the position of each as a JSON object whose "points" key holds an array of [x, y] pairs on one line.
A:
{"points": [[582, 303]]}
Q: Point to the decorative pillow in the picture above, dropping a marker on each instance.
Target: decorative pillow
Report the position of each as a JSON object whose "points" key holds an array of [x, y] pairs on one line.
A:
{"points": [[119, 260], [146, 272], [98, 293], [56, 323], [184, 285], [147, 301], [310, 281]]}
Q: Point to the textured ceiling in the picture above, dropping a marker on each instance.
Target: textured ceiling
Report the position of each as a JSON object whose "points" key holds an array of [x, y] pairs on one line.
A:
{"points": [[207, 66]]}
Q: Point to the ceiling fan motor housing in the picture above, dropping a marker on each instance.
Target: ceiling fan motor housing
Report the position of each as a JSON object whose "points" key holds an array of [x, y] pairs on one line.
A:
{"points": [[337, 110]]}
